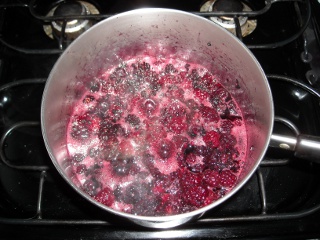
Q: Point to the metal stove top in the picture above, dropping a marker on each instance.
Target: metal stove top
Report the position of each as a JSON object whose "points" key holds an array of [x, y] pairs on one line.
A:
{"points": [[282, 200]]}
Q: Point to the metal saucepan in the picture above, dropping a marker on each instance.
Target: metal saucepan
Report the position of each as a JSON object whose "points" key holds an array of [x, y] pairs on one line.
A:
{"points": [[154, 31]]}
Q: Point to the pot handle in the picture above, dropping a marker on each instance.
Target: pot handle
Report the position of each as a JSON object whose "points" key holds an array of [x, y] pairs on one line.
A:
{"points": [[304, 146]]}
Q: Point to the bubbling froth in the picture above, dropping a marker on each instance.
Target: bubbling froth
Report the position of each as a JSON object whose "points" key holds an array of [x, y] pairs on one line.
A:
{"points": [[156, 138]]}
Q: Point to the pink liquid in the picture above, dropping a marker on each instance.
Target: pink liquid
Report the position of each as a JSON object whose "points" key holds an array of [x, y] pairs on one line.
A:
{"points": [[156, 138]]}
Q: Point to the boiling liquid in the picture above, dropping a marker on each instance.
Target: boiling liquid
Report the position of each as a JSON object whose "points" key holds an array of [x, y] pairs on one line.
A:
{"points": [[156, 138]]}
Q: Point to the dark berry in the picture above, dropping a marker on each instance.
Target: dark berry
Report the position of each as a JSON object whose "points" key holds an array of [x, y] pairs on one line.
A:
{"points": [[81, 169], [228, 140], [155, 172], [196, 195], [144, 94], [202, 95], [146, 207], [154, 86], [165, 148], [188, 149], [94, 170], [93, 152], [197, 168], [234, 166], [222, 94], [91, 186], [218, 98], [231, 114], [144, 66], [81, 127], [78, 157], [174, 118], [194, 191], [102, 106], [107, 86], [175, 109], [169, 68], [133, 194], [123, 165], [105, 196], [194, 76], [118, 75], [133, 120], [216, 102], [192, 104], [205, 84], [172, 208], [108, 130], [115, 112], [227, 178], [213, 160], [211, 178], [193, 158], [226, 126], [202, 151], [194, 163], [190, 158], [177, 125], [212, 139], [209, 114], [117, 192], [152, 77], [208, 82]]}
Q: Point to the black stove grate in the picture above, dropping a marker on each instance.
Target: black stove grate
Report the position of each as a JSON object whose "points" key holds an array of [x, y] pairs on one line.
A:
{"points": [[255, 13], [281, 200], [43, 171]]}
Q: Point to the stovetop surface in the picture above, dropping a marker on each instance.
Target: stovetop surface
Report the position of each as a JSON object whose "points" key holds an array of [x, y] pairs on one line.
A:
{"points": [[292, 186]]}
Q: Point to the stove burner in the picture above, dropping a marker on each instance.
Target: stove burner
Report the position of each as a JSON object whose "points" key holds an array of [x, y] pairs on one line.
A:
{"points": [[227, 6], [73, 28], [247, 25], [70, 8]]}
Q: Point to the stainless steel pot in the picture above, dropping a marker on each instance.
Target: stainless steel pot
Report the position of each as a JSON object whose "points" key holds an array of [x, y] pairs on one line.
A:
{"points": [[172, 34]]}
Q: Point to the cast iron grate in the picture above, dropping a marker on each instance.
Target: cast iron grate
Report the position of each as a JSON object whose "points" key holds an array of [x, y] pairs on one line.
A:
{"points": [[43, 174], [304, 21], [43, 170]]}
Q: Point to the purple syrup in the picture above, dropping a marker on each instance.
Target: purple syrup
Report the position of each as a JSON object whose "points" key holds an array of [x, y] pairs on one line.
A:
{"points": [[156, 138]]}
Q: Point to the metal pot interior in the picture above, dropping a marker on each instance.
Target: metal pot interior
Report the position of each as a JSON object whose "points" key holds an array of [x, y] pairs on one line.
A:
{"points": [[170, 34]]}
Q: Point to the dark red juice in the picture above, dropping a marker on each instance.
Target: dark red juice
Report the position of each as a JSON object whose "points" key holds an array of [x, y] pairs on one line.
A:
{"points": [[156, 138]]}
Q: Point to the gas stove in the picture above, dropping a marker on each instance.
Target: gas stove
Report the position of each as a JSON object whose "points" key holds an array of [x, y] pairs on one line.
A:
{"points": [[282, 200]]}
